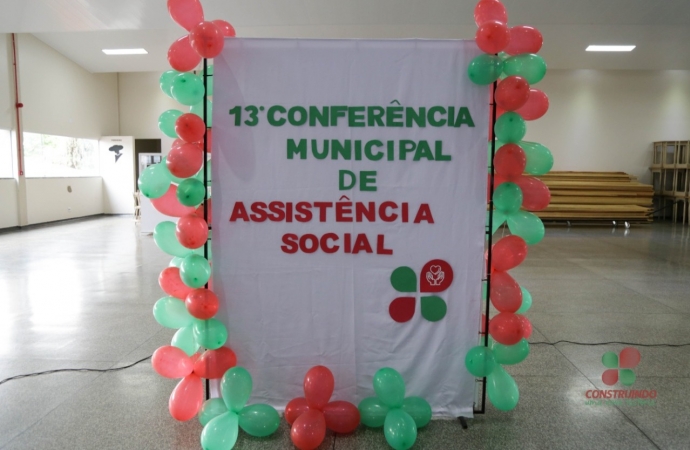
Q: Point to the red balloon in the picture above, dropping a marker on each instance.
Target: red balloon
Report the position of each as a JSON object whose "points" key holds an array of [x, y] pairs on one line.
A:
{"points": [[524, 39], [510, 161], [526, 326], [492, 36], [177, 143], [209, 140], [487, 10], [295, 408], [207, 39], [536, 106], [318, 386], [171, 362], [186, 13], [225, 28], [200, 210], [191, 231], [213, 364], [512, 93], [308, 430], [185, 161], [508, 253], [535, 194], [172, 284], [169, 205], [190, 127], [186, 399], [182, 57], [506, 328], [341, 417], [202, 304], [506, 295]]}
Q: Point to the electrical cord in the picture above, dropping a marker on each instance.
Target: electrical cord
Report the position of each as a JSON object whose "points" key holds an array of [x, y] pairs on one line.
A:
{"points": [[112, 369], [634, 344]]}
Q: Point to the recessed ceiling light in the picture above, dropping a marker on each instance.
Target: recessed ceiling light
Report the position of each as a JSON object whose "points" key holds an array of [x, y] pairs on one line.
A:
{"points": [[125, 51], [610, 48]]}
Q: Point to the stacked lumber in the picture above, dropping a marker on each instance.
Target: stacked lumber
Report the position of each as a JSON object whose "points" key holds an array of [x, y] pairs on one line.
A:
{"points": [[597, 196]]}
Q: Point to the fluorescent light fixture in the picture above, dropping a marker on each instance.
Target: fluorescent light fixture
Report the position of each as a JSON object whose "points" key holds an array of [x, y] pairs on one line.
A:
{"points": [[610, 48], [125, 51]]}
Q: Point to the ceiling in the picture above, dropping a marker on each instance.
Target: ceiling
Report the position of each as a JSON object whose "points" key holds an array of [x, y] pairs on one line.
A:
{"points": [[79, 29]]}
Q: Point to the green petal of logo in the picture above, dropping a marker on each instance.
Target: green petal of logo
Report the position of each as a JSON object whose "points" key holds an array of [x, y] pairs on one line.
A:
{"points": [[436, 276], [620, 366]]}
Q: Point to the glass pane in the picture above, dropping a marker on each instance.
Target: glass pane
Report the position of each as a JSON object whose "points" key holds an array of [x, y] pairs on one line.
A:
{"points": [[656, 181], [670, 154], [682, 153], [680, 182], [5, 154], [668, 180], [60, 156], [658, 154]]}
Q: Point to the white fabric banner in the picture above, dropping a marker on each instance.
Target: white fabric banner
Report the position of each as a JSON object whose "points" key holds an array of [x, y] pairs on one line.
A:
{"points": [[349, 198]]}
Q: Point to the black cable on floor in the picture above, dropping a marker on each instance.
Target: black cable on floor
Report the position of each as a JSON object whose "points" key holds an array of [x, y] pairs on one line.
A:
{"points": [[113, 369], [634, 344]]}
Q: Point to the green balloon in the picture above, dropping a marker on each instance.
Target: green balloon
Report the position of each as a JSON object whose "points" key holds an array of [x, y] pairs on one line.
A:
{"points": [[166, 122], [170, 176], [191, 192], [498, 220], [526, 301], [236, 388], [153, 183], [539, 158], [259, 420], [510, 127], [399, 429], [166, 81], [419, 409], [507, 198], [198, 109], [187, 89], [194, 270], [200, 174], [372, 412], [175, 262], [210, 334], [502, 390], [389, 387], [510, 354], [529, 66], [171, 312], [485, 69], [480, 361], [165, 238], [211, 409], [221, 432], [185, 341], [526, 225]]}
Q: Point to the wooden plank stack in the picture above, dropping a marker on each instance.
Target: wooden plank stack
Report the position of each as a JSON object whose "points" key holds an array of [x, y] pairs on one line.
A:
{"points": [[597, 197]]}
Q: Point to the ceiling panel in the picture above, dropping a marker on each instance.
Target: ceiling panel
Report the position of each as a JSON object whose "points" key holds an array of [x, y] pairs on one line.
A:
{"points": [[81, 28]]}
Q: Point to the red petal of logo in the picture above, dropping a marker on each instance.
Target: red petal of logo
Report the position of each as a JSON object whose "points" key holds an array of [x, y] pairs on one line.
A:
{"points": [[436, 276], [402, 309], [629, 358], [610, 377]]}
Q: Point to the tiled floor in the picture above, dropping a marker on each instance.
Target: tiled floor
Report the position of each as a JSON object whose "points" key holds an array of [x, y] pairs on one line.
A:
{"points": [[79, 294]]}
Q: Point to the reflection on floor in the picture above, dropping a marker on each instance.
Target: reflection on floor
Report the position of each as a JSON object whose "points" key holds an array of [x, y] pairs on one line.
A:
{"points": [[80, 294]]}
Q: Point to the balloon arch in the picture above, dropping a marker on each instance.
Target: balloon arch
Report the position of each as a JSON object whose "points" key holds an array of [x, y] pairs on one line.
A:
{"points": [[178, 188]]}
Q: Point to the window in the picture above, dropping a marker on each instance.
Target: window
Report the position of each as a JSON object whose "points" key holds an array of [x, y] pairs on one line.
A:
{"points": [[5, 154], [59, 156]]}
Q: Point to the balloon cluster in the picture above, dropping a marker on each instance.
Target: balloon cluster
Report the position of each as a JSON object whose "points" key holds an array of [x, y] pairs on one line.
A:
{"points": [[400, 417], [309, 416], [223, 417], [511, 63]]}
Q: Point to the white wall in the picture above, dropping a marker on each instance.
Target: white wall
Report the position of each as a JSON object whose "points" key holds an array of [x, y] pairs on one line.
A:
{"points": [[48, 199], [6, 84], [141, 103], [607, 120], [63, 99], [8, 203]]}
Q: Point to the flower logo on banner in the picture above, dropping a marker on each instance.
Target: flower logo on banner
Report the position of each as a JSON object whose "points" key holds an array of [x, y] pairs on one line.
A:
{"points": [[620, 366], [436, 276]]}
